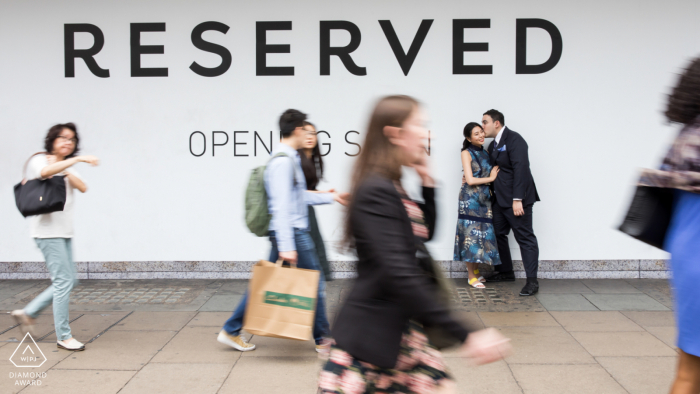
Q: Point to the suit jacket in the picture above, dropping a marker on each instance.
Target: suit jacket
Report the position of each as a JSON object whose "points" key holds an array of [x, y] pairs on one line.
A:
{"points": [[391, 287], [514, 179]]}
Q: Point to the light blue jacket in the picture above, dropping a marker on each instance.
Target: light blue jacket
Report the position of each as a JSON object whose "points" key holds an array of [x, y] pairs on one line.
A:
{"points": [[286, 200]]}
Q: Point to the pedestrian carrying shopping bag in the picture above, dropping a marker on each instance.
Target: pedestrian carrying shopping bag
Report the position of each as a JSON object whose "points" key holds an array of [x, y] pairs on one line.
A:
{"points": [[281, 301]]}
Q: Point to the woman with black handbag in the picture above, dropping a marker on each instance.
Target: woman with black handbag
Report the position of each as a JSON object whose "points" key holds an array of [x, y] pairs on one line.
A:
{"points": [[53, 232], [680, 172], [381, 341]]}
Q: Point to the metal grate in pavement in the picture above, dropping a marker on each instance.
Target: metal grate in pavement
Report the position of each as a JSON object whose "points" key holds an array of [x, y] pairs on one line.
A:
{"points": [[131, 295]]}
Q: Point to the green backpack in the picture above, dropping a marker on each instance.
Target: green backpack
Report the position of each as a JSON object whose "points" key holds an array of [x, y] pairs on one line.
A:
{"points": [[257, 213]]}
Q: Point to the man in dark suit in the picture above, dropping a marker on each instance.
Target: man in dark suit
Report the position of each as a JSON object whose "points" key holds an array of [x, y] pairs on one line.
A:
{"points": [[515, 194]]}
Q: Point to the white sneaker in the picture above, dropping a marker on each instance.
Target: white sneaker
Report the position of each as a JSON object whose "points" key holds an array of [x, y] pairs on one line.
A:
{"points": [[236, 342], [71, 344], [26, 323]]}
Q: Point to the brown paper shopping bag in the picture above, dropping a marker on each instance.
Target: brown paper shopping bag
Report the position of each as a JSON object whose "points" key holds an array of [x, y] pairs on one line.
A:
{"points": [[281, 301]]}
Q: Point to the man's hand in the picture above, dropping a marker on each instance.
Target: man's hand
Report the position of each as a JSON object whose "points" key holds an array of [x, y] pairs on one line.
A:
{"points": [[290, 256], [518, 208]]}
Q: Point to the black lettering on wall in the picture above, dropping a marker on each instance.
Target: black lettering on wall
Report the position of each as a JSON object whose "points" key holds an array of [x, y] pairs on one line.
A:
{"points": [[359, 148], [207, 46], [88, 55], [213, 140], [262, 48], [342, 52], [325, 143], [459, 46], [204, 143], [137, 50], [255, 144], [521, 26], [236, 143], [406, 59]]}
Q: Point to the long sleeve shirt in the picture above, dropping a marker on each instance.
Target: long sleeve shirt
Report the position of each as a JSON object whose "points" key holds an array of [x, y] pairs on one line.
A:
{"points": [[287, 197]]}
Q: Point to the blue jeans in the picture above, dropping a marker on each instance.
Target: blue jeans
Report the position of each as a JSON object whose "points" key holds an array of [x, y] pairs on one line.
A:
{"points": [[306, 258], [59, 263]]}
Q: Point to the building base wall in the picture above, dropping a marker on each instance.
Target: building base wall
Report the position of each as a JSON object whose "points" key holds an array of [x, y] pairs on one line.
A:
{"points": [[549, 269]]}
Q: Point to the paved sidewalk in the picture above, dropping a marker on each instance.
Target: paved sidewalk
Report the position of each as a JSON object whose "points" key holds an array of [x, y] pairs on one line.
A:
{"points": [[159, 336]]}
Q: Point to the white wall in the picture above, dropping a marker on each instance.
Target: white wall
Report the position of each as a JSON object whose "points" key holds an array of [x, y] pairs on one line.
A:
{"points": [[590, 121]]}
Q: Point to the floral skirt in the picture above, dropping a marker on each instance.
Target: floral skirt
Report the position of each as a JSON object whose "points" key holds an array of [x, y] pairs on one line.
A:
{"points": [[475, 242], [419, 369]]}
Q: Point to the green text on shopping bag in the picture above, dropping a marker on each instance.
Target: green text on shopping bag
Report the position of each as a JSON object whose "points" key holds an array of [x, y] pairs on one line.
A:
{"points": [[289, 300]]}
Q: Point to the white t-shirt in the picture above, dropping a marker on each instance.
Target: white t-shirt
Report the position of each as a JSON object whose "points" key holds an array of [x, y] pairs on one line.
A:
{"points": [[57, 224]]}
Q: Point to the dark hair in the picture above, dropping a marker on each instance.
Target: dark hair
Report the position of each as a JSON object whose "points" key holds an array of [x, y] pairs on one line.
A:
{"points": [[468, 133], [312, 166], [496, 116], [290, 120], [378, 155], [684, 103], [55, 131]]}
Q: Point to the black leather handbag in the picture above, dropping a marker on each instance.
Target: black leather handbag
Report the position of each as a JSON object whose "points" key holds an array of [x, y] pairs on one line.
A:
{"points": [[40, 196], [649, 215]]}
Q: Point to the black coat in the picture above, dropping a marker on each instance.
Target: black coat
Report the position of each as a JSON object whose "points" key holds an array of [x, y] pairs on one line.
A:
{"points": [[514, 179], [391, 287]]}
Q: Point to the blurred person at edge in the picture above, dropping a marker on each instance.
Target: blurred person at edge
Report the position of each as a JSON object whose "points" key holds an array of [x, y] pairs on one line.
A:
{"points": [[380, 342], [681, 171], [53, 232], [312, 164], [475, 239]]}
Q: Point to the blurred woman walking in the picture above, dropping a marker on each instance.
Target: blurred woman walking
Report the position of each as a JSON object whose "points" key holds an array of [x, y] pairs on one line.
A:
{"points": [[380, 332], [53, 232], [681, 171]]}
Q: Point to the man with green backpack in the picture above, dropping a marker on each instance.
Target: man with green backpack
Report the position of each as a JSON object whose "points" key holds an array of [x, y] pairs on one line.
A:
{"points": [[276, 205]]}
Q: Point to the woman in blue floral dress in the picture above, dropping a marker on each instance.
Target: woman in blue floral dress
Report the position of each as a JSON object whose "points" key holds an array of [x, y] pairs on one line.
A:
{"points": [[475, 242]]}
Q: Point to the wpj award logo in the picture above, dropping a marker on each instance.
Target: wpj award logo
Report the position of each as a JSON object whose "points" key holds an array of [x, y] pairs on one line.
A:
{"points": [[28, 355]]}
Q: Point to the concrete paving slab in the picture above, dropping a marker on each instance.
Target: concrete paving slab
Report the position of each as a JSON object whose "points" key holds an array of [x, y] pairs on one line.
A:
{"points": [[518, 319], [221, 303], [212, 319], [621, 344], [233, 287], [51, 352], [197, 345], [178, 378], [625, 302], [565, 302], [90, 325], [652, 319], [658, 289], [544, 345], [642, 375], [155, 321], [81, 382], [494, 378], [277, 347], [118, 350], [251, 375], [610, 286], [563, 286], [668, 335], [595, 321], [579, 379]]}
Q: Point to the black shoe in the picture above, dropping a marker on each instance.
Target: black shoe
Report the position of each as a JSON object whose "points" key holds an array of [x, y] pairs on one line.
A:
{"points": [[530, 289], [501, 277]]}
